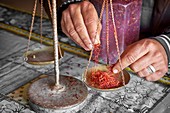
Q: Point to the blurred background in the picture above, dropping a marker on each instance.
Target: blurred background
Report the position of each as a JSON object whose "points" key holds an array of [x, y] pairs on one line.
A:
{"points": [[24, 5]]}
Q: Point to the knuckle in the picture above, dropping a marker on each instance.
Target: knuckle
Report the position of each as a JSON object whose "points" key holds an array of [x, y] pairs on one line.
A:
{"points": [[90, 21], [65, 16], [151, 44], [72, 7], [158, 54], [90, 6], [144, 45], [85, 4], [130, 59], [79, 27], [64, 13], [71, 31]]}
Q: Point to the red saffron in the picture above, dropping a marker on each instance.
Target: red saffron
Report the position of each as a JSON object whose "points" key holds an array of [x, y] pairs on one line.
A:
{"points": [[96, 53], [104, 80]]}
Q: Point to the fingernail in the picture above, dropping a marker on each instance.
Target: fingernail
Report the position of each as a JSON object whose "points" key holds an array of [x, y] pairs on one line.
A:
{"points": [[115, 71], [97, 40], [90, 46]]}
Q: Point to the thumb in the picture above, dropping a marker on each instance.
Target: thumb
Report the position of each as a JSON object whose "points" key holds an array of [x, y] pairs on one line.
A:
{"points": [[117, 68]]}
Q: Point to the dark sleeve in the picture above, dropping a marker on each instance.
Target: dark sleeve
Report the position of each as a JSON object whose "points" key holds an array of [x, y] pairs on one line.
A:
{"points": [[164, 40]]}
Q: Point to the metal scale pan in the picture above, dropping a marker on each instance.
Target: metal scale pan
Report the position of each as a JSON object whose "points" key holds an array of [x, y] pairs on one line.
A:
{"points": [[86, 78], [41, 57], [45, 98]]}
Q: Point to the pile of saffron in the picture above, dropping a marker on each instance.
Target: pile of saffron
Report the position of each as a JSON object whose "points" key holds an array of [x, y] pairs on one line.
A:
{"points": [[104, 80]]}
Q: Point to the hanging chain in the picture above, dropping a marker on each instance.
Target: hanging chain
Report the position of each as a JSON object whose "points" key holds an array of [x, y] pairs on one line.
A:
{"points": [[31, 28], [107, 30], [98, 23], [41, 16], [49, 5], [117, 44]]}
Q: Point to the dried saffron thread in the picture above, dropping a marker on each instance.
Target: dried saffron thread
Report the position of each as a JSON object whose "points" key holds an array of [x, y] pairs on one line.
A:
{"points": [[104, 80], [96, 53]]}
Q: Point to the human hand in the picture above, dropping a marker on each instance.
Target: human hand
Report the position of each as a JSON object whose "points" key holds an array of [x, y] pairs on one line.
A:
{"points": [[79, 22], [140, 55]]}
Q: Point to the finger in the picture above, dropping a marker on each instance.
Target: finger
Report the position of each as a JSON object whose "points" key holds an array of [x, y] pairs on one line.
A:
{"points": [[161, 65], [63, 28], [91, 21], [80, 27], [143, 62], [69, 27], [155, 76], [146, 71], [131, 54], [143, 73]]}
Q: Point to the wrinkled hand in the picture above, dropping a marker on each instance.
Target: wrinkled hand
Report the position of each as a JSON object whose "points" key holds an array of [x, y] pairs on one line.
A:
{"points": [[79, 22], [142, 54]]}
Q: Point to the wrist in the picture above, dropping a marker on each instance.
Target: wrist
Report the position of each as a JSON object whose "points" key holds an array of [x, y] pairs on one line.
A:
{"points": [[164, 40], [65, 4]]}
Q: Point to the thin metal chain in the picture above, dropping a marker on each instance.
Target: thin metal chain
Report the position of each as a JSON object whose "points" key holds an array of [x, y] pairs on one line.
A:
{"points": [[31, 28], [117, 44], [107, 30], [99, 20], [41, 16], [49, 5]]}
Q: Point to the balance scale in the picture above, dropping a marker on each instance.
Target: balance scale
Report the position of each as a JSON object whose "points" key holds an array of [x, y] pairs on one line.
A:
{"points": [[56, 94]]}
